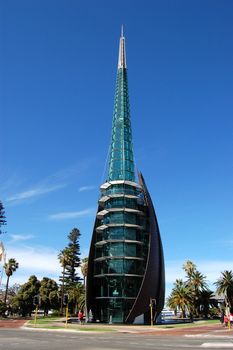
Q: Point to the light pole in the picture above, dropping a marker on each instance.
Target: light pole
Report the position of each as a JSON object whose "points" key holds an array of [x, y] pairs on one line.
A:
{"points": [[152, 311]]}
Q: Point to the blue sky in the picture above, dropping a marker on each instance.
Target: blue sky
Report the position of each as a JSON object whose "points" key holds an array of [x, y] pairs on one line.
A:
{"points": [[58, 62]]}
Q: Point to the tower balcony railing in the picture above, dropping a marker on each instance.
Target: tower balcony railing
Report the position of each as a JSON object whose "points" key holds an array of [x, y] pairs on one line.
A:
{"points": [[122, 232], [116, 297], [108, 257], [108, 184], [106, 198], [115, 274], [106, 226], [101, 214], [101, 243]]}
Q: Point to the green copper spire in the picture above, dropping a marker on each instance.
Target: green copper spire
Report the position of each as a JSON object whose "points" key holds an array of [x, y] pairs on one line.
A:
{"points": [[121, 162]]}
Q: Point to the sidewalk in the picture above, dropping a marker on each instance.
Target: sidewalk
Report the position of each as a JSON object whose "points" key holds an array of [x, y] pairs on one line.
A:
{"points": [[12, 323]]}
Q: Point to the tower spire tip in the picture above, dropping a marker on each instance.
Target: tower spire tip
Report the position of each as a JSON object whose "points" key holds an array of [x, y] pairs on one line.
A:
{"points": [[122, 55]]}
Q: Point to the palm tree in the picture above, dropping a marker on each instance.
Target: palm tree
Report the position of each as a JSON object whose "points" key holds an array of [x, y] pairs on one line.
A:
{"points": [[180, 297], [206, 299], [84, 270], [196, 284], [225, 286], [189, 267], [10, 267], [77, 297], [63, 258]]}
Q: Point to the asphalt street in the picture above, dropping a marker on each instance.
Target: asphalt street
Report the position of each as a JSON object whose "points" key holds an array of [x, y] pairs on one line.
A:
{"points": [[18, 339]]}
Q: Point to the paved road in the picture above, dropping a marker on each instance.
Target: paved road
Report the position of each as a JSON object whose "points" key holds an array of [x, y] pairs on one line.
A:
{"points": [[18, 339]]}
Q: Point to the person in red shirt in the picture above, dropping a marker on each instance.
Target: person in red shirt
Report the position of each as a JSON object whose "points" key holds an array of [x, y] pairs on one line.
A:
{"points": [[81, 316], [226, 320]]}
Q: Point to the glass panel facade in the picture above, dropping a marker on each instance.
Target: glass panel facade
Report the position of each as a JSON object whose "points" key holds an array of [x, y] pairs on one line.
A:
{"points": [[114, 308], [119, 266], [120, 232], [121, 164], [121, 202], [117, 286], [115, 297], [116, 249], [120, 217], [120, 252], [121, 189]]}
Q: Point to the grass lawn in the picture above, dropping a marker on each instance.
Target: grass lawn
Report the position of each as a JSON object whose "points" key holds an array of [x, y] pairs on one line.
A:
{"points": [[59, 323], [45, 320]]}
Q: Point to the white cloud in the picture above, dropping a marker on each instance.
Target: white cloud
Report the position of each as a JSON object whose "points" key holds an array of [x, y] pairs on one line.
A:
{"points": [[34, 192], [17, 238], [35, 258], [85, 253], [71, 214], [173, 270], [86, 188], [39, 261], [14, 183]]}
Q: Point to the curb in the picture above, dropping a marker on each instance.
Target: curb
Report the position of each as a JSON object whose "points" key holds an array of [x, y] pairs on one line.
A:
{"points": [[55, 330]]}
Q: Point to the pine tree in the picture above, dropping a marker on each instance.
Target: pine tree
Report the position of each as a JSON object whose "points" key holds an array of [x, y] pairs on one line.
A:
{"points": [[2, 216], [71, 277], [69, 259]]}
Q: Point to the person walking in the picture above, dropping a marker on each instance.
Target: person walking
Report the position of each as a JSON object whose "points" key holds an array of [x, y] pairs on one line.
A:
{"points": [[226, 320], [81, 316]]}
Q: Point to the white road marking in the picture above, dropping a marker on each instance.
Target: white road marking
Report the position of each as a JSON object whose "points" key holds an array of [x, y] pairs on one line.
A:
{"points": [[217, 345], [209, 336]]}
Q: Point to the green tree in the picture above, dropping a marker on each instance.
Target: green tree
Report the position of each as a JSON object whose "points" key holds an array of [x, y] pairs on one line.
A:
{"points": [[23, 301], [63, 258], [3, 307], [84, 267], [192, 294], [10, 267], [11, 293], [189, 267], [71, 276], [2, 216], [196, 283], [84, 270], [206, 301], [77, 298], [69, 259], [225, 286], [179, 298], [198, 286], [48, 294]]}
